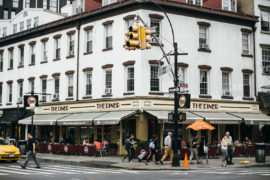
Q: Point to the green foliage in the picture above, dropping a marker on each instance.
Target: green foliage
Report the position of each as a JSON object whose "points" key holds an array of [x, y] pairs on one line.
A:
{"points": [[143, 144], [113, 146]]}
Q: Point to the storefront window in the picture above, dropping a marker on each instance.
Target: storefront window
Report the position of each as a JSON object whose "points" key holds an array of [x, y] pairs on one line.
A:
{"points": [[128, 127], [108, 133], [83, 134], [64, 129], [45, 132], [99, 133], [153, 128], [91, 134], [71, 135]]}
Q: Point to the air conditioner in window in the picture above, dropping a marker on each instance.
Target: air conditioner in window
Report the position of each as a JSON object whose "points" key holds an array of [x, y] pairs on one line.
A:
{"points": [[204, 46], [43, 98], [108, 91], [19, 99], [227, 93], [266, 69], [71, 52], [56, 96]]}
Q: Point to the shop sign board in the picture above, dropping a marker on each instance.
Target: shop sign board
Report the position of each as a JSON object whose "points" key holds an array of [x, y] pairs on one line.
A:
{"points": [[30, 100]]}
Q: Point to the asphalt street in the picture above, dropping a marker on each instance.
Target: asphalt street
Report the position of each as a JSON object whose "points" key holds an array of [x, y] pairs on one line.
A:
{"points": [[13, 171]]}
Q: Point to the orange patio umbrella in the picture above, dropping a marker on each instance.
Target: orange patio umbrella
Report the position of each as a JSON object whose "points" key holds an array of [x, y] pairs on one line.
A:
{"points": [[200, 125]]}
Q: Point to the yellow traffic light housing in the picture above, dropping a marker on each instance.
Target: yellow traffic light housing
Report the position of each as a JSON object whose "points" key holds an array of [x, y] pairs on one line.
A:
{"points": [[133, 38]]}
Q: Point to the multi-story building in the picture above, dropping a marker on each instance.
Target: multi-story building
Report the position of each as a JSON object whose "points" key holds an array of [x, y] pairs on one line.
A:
{"points": [[91, 87]]}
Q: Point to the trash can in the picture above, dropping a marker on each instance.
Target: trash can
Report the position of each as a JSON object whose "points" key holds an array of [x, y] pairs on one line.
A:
{"points": [[260, 152], [22, 146]]}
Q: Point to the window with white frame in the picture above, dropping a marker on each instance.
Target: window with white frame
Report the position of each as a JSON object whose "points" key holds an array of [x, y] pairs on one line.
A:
{"points": [[265, 21], [4, 31], [108, 36], [203, 37], [155, 23], [129, 22], [44, 88], [226, 89], [266, 59], [21, 26], [15, 28], [53, 5], [71, 45], [13, 13], [1, 93], [225, 4], [20, 91], [245, 43], [44, 4], [70, 85], [15, 3], [56, 88], [44, 51], [36, 21], [89, 41], [32, 54], [204, 82], [27, 3], [57, 48], [28, 24], [5, 15], [196, 2], [107, 2], [229, 5], [154, 78], [233, 5], [21, 56], [32, 85], [247, 85], [9, 93], [88, 86], [11, 60], [1, 61], [130, 78], [190, 1], [108, 81]]}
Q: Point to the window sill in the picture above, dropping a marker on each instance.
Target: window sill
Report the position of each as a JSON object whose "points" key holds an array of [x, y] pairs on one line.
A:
{"points": [[107, 95], [248, 98], [43, 62], [247, 55], [128, 93], [205, 96], [86, 53], [8, 104], [226, 97], [70, 56], [31, 64], [20, 66], [156, 93], [54, 100], [19, 102], [204, 50], [265, 74], [70, 99], [87, 97], [265, 32], [107, 49], [10, 69], [56, 59], [156, 44]]}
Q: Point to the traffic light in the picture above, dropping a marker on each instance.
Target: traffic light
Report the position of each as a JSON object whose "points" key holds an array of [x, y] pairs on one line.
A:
{"points": [[145, 38], [182, 117], [133, 38]]}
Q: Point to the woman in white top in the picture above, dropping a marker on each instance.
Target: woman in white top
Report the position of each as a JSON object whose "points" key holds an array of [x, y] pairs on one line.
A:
{"points": [[224, 151]]}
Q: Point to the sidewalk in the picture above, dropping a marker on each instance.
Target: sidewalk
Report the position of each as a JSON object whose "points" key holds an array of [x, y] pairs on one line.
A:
{"points": [[116, 162]]}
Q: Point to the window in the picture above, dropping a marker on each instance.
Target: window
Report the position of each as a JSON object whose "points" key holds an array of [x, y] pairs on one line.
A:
{"points": [[225, 5], [56, 88], [226, 84], [20, 91], [155, 23], [204, 82], [9, 93], [36, 21], [57, 48], [13, 13], [21, 26], [265, 20], [266, 59], [108, 35], [1, 93], [1, 61], [246, 85], [154, 79], [71, 44], [89, 41], [53, 5], [28, 24], [10, 62], [245, 43], [5, 14], [108, 81], [44, 51], [4, 31], [107, 2], [70, 86], [15, 3], [21, 56], [130, 78], [27, 3], [32, 53], [203, 37], [198, 2], [1, 2], [129, 22], [43, 88], [190, 1], [32, 85], [14, 28], [44, 4], [182, 75], [88, 87], [233, 5]]}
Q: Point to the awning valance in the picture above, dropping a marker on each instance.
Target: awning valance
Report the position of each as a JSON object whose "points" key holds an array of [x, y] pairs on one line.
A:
{"points": [[218, 117], [253, 118], [79, 118], [113, 117], [43, 119]]}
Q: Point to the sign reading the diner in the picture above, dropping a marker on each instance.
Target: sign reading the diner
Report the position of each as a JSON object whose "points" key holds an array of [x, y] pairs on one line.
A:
{"points": [[209, 106], [60, 108], [108, 105]]}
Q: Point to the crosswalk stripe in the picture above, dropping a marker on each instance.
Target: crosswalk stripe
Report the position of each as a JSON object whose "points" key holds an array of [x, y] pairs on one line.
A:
{"points": [[89, 169], [3, 174], [265, 174], [71, 171], [16, 172]]}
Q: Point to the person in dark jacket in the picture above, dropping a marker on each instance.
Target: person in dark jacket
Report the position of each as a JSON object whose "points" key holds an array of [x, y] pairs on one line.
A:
{"points": [[153, 150], [202, 151], [129, 148]]}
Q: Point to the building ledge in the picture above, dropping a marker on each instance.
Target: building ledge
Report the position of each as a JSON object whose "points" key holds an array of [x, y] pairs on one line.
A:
{"points": [[156, 44], [87, 97], [247, 55], [70, 56], [43, 62], [265, 32], [8, 104], [107, 49], [128, 93], [56, 59], [86, 53], [10, 69], [70, 99], [226, 97], [21, 66], [248, 98], [107, 95], [42, 101], [156, 93], [54, 100], [205, 96], [31, 64], [204, 50], [19, 102]]}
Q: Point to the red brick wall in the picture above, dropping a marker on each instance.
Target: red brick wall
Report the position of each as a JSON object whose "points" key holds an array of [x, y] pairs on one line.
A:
{"points": [[213, 3], [92, 4]]}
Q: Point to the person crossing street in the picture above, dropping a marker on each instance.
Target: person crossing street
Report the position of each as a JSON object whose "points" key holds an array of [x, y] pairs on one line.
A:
{"points": [[168, 148]]}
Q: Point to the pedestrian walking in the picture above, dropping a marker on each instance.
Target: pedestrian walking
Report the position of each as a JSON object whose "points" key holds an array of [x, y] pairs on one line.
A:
{"points": [[193, 149], [153, 150], [129, 146], [32, 151], [224, 151], [168, 148], [230, 147], [203, 150]]}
